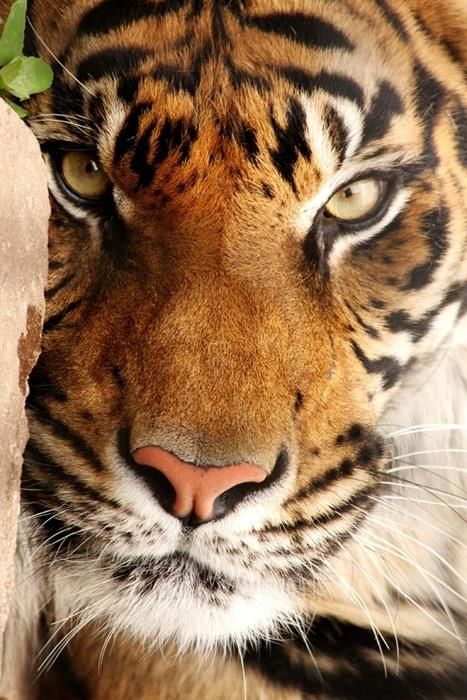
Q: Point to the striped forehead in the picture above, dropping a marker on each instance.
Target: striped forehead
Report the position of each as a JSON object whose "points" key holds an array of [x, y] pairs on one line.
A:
{"points": [[193, 48], [305, 69]]}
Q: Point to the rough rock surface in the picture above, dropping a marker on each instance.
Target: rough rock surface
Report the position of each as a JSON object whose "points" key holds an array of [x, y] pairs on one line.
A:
{"points": [[24, 213]]}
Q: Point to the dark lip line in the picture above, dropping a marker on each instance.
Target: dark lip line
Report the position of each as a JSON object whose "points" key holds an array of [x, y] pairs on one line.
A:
{"points": [[150, 561], [149, 570]]}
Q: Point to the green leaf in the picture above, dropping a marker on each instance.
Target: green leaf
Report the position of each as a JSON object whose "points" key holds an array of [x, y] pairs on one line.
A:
{"points": [[25, 76], [12, 38], [20, 111]]}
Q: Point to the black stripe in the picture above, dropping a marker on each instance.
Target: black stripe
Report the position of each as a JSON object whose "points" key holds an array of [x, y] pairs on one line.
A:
{"points": [[68, 99], [65, 676], [42, 385], [302, 28], [359, 498], [451, 47], [127, 88], [370, 452], [333, 83], [58, 532], [197, 6], [240, 77], [96, 109], [220, 37], [393, 19], [378, 304], [50, 293], [170, 138], [115, 238], [190, 135], [111, 62], [236, 7], [345, 469], [115, 14], [291, 142], [454, 50], [117, 374], [434, 227], [179, 80], [369, 330], [385, 105], [396, 225], [185, 80], [128, 133], [149, 571], [430, 97], [319, 242], [174, 135], [362, 676], [248, 140], [459, 117], [337, 131], [55, 472], [400, 321], [54, 321], [388, 367], [64, 432], [139, 159], [30, 46]]}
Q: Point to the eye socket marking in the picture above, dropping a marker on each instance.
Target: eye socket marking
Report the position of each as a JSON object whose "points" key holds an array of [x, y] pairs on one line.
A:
{"points": [[358, 202], [356, 212], [82, 176]]}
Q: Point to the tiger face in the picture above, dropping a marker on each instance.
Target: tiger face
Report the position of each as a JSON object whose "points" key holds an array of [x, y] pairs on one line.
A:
{"points": [[258, 232]]}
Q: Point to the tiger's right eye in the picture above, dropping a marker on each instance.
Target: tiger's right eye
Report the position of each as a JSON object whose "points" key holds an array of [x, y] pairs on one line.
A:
{"points": [[357, 201], [82, 174]]}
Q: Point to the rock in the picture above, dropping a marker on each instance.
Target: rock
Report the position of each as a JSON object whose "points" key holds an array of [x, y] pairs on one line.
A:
{"points": [[24, 213]]}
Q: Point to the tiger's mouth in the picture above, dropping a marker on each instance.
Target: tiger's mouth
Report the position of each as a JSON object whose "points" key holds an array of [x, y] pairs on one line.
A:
{"points": [[178, 597], [147, 573]]}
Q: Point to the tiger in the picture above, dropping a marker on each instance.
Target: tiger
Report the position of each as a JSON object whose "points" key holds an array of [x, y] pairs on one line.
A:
{"points": [[245, 476]]}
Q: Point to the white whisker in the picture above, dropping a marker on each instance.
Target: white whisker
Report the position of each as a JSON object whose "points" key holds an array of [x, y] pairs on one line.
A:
{"points": [[426, 428], [57, 60]]}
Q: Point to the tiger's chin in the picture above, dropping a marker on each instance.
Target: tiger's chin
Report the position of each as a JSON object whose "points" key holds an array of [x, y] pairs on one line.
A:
{"points": [[177, 600]]}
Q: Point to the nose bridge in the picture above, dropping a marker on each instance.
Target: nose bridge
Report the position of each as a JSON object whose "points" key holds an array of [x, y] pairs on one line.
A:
{"points": [[211, 375], [216, 325]]}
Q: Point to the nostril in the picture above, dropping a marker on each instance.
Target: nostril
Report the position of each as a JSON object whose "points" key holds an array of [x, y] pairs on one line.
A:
{"points": [[230, 498], [158, 484]]}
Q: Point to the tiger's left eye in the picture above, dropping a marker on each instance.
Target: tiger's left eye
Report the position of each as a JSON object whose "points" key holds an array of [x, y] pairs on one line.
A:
{"points": [[82, 175], [356, 201]]}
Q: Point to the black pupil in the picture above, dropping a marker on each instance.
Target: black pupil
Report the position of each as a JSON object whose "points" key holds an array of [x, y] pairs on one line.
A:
{"points": [[91, 167]]}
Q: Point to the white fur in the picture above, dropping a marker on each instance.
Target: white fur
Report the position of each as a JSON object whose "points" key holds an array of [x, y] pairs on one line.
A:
{"points": [[415, 540]]}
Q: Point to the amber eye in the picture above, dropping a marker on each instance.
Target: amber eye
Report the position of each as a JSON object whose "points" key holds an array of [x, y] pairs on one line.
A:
{"points": [[356, 201], [82, 174]]}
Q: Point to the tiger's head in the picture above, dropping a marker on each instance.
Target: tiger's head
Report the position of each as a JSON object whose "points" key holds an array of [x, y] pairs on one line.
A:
{"points": [[258, 231]]}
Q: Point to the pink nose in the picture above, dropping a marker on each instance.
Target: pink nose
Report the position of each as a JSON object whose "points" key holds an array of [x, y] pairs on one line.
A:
{"points": [[197, 487]]}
